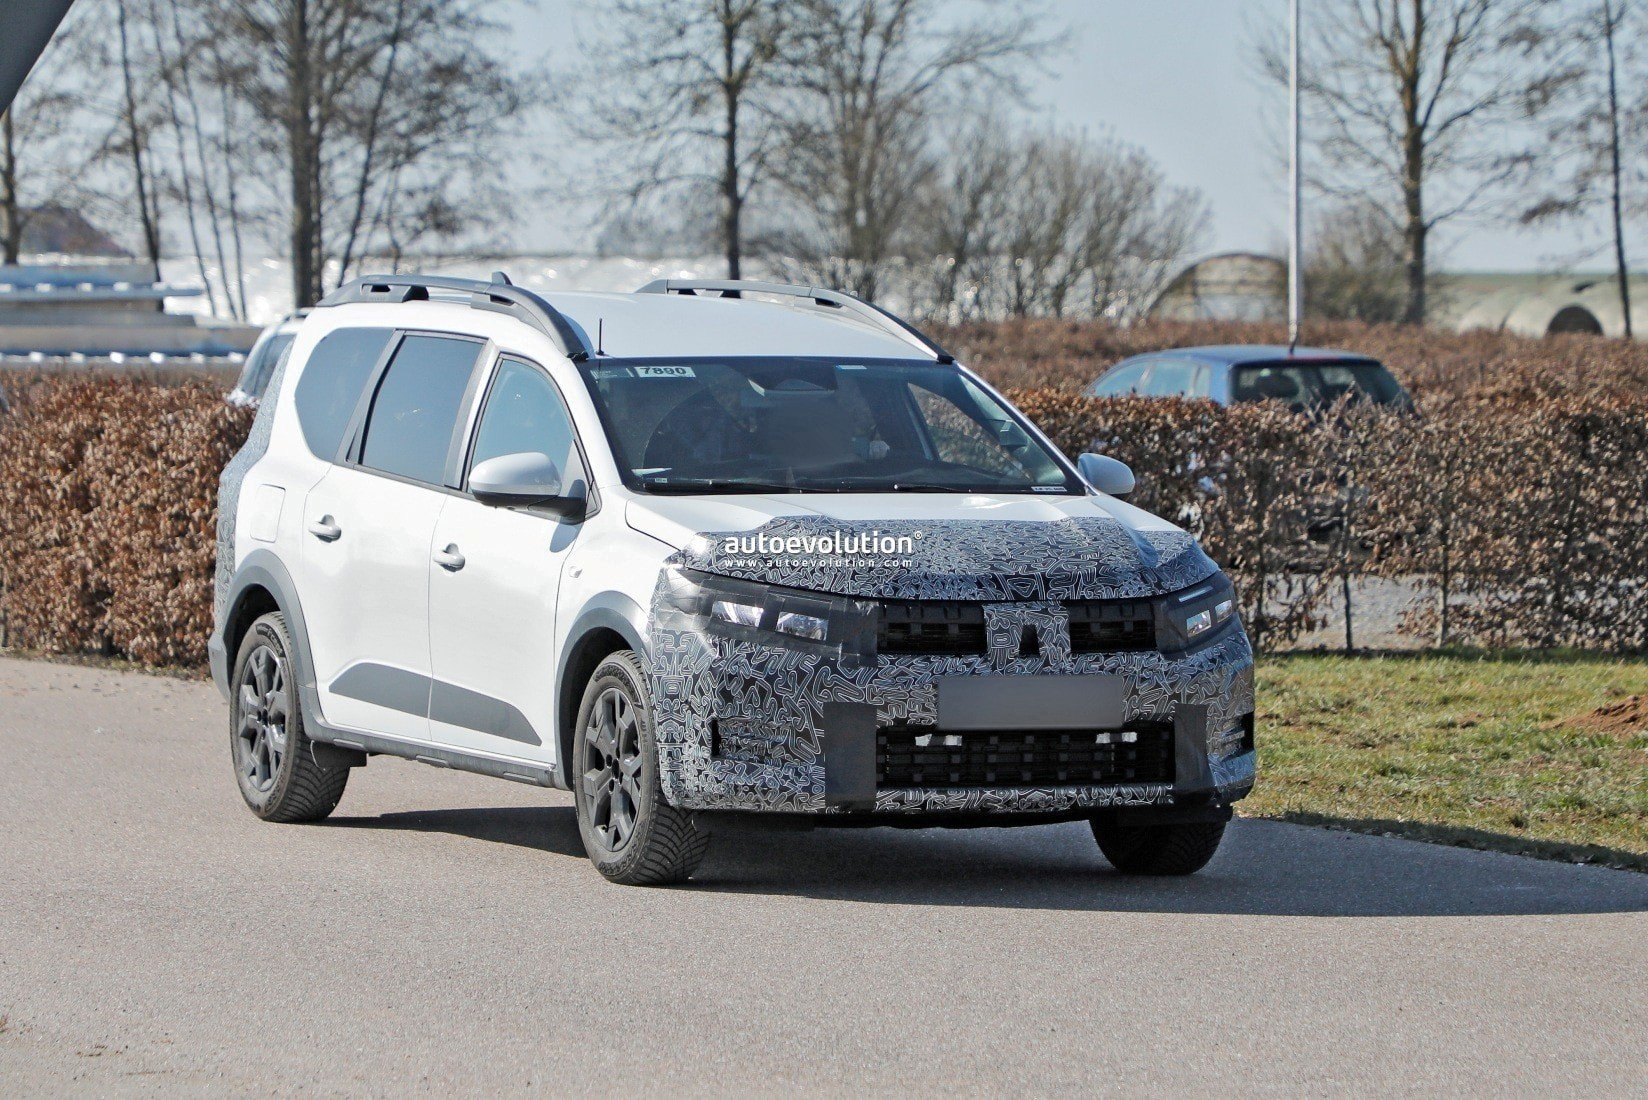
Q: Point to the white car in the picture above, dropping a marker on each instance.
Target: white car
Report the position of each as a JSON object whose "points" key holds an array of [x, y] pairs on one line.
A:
{"points": [[710, 547], [271, 347]]}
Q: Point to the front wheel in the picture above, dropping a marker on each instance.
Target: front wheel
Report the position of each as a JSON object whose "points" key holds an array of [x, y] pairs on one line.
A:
{"points": [[632, 835], [1178, 849]]}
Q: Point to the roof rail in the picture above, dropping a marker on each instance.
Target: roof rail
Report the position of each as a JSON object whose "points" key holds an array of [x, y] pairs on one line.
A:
{"points": [[864, 311], [497, 296]]}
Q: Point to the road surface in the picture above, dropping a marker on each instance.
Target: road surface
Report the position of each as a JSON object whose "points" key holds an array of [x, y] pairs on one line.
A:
{"points": [[443, 932]]}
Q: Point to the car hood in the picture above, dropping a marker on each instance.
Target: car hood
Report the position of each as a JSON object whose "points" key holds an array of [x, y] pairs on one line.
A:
{"points": [[928, 547]]}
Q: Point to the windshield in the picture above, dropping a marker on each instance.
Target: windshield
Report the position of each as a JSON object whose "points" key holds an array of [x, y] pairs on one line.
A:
{"points": [[810, 424], [1312, 384], [260, 365]]}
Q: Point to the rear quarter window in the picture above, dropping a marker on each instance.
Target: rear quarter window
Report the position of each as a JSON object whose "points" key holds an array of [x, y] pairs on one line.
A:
{"points": [[331, 385]]}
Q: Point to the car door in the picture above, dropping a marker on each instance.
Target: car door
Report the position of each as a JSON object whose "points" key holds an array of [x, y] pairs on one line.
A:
{"points": [[370, 521], [492, 589]]}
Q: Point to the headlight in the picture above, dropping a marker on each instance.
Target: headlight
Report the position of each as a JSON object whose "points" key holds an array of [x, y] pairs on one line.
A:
{"points": [[741, 614], [1196, 615], [769, 614], [810, 627]]}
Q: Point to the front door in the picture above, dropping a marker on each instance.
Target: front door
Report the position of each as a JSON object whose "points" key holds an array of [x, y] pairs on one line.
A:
{"points": [[493, 583], [370, 527]]}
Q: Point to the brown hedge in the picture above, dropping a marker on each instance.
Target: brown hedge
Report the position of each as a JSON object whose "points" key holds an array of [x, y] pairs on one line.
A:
{"points": [[1523, 521], [108, 492]]}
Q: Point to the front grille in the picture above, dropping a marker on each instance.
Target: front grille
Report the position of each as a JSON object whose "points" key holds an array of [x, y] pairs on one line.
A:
{"points": [[913, 627], [921, 756], [1111, 626]]}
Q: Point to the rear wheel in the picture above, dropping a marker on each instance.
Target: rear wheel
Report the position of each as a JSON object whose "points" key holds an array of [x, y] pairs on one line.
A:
{"points": [[632, 835], [276, 766], [1178, 849]]}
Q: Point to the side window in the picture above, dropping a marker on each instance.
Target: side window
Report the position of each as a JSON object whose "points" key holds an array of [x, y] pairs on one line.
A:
{"points": [[524, 412], [331, 385], [409, 430], [1171, 378], [997, 447], [1202, 388], [1120, 383]]}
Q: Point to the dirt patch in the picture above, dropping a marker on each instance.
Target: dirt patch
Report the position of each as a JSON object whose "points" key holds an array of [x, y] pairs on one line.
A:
{"points": [[1626, 718]]}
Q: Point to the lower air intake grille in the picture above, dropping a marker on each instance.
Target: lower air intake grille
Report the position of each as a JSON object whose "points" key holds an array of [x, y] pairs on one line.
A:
{"points": [[921, 756], [916, 627], [1112, 627]]}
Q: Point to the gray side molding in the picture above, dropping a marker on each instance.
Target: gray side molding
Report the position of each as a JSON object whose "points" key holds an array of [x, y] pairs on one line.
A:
{"points": [[615, 611], [263, 569]]}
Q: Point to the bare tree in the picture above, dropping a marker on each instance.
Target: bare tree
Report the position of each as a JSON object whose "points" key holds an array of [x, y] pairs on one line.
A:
{"points": [[869, 77], [1048, 224], [682, 92], [382, 113], [1598, 135], [1354, 265], [1410, 105], [1138, 230], [132, 137], [962, 219], [42, 160]]}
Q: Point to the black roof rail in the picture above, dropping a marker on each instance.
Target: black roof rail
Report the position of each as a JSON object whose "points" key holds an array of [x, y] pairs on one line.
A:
{"points": [[867, 312], [499, 296]]}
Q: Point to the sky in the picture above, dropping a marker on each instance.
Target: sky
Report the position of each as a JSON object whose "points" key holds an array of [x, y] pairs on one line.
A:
{"points": [[1177, 78]]}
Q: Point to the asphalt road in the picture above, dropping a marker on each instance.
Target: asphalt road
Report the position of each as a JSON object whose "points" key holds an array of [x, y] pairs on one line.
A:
{"points": [[444, 932]]}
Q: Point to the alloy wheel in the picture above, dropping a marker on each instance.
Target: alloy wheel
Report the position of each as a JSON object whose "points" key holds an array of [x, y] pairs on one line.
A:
{"points": [[261, 734], [612, 768]]}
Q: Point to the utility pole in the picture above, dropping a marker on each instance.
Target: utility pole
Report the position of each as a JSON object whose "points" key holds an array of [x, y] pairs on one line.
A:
{"points": [[1610, 26], [1293, 273]]}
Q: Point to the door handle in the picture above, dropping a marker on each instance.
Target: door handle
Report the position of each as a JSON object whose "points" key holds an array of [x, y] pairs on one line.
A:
{"points": [[325, 530], [449, 559]]}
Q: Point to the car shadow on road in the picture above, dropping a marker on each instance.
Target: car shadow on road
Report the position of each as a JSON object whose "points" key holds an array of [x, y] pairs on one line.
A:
{"points": [[1264, 867], [551, 829]]}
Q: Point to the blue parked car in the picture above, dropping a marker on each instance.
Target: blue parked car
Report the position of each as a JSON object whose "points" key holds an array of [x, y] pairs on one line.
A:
{"points": [[1306, 378]]}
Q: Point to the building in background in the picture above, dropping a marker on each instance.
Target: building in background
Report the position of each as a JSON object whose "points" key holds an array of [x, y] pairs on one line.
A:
{"points": [[80, 296], [1540, 305], [1246, 286], [1228, 286], [84, 309]]}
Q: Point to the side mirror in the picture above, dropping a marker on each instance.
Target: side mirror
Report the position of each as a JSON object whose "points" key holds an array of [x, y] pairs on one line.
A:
{"points": [[1108, 475], [526, 477]]}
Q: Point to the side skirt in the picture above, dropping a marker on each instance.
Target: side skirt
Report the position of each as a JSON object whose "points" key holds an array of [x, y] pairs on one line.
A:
{"points": [[373, 744]]}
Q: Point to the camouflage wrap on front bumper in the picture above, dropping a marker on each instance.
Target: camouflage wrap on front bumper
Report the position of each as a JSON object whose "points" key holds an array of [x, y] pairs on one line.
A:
{"points": [[767, 705]]}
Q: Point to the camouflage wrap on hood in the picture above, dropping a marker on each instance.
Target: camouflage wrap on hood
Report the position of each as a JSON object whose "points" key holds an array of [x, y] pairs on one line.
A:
{"points": [[1093, 558]]}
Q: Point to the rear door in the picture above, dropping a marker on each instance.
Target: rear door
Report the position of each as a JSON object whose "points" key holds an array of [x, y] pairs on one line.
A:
{"points": [[492, 593], [369, 525]]}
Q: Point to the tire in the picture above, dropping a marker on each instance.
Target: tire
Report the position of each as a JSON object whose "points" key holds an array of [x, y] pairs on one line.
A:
{"points": [[632, 835], [1181, 849], [275, 764]]}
